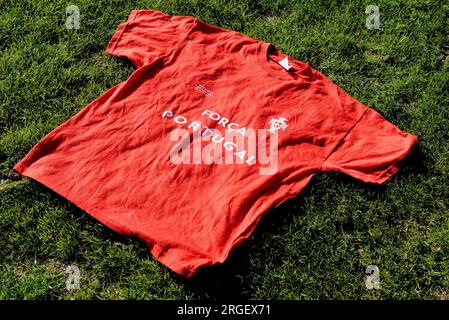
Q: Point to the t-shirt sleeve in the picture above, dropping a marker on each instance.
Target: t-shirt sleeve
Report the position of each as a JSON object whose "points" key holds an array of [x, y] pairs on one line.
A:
{"points": [[149, 34], [372, 149]]}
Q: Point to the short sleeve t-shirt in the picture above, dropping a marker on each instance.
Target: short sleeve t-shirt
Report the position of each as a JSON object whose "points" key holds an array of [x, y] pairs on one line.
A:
{"points": [[124, 158]]}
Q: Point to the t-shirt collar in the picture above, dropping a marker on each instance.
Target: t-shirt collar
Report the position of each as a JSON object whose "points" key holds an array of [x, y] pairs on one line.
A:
{"points": [[268, 58]]}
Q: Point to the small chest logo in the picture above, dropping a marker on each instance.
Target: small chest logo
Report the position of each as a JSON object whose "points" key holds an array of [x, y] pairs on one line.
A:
{"points": [[277, 124], [203, 90]]}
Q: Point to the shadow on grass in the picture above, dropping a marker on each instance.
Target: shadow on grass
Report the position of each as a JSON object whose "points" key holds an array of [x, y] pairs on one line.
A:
{"points": [[226, 281], [229, 280]]}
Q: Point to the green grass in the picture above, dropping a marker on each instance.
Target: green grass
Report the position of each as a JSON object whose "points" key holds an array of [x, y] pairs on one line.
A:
{"points": [[316, 246]]}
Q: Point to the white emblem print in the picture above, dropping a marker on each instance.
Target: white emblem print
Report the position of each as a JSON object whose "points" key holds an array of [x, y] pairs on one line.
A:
{"points": [[277, 124]]}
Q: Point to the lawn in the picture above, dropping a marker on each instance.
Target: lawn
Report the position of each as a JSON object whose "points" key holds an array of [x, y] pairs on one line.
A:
{"points": [[316, 246]]}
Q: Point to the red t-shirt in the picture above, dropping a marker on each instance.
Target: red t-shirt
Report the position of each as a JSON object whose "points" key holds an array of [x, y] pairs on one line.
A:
{"points": [[113, 158]]}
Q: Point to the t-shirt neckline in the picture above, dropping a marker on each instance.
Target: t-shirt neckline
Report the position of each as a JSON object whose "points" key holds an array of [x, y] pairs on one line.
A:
{"points": [[267, 57]]}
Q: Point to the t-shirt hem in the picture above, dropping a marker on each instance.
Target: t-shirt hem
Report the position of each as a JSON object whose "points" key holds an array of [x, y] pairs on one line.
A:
{"points": [[341, 139], [166, 259], [28, 172], [158, 252], [388, 173]]}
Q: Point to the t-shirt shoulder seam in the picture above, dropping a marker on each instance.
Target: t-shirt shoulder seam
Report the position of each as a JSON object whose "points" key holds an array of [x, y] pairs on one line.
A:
{"points": [[342, 138], [175, 50], [115, 40]]}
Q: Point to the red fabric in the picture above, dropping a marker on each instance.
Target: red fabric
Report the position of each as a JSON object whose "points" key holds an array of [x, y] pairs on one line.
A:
{"points": [[112, 158]]}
